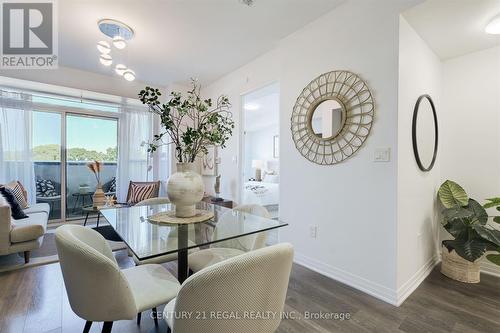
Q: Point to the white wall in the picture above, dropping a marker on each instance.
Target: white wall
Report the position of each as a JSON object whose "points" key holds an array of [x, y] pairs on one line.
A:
{"points": [[352, 203], [420, 72], [471, 126]]}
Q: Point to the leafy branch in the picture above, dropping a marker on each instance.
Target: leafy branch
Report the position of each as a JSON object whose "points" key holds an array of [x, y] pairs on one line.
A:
{"points": [[192, 123]]}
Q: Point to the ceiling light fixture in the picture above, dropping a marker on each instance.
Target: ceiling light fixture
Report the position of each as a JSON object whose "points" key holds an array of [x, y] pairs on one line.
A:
{"points": [[106, 59], [119, 42], [103, 47], [129, 75], [120, 34], [247, 2], [251, 106], [120, 69], [493, 27]]}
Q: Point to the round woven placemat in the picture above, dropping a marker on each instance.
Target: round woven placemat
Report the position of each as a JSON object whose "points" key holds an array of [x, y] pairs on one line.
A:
{"points": [[170, 218]]}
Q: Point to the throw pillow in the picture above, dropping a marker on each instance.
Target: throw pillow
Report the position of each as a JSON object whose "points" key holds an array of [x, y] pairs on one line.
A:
{"points": [[139, 192], [18, 191], [45, 188], [15, 209]]}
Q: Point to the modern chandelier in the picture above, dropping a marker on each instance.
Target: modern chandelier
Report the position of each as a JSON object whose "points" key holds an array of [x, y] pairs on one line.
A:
{"points": [[118, 34]]}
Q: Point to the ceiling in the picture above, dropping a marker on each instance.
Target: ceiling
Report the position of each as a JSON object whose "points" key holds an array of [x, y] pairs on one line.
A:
{"points": [[178, 39], [453, 28]]}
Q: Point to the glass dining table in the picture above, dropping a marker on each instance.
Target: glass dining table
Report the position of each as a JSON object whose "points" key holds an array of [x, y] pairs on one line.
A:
{"points": [[147, 239]]}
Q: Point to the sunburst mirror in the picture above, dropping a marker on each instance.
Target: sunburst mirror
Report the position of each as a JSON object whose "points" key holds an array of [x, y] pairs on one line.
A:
{"points": [[332, 117]]}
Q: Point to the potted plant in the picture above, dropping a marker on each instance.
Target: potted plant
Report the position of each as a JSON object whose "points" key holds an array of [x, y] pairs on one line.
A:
{"points": [[84, 188], [98, 197], [467, 221], [191, 124]]}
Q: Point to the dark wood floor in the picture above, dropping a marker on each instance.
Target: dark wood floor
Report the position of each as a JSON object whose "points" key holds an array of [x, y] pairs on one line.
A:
{"points": [[34, 300]]}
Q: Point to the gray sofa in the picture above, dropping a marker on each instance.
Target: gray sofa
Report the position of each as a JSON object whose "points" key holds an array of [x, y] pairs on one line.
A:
{"points": [[22, 235]]}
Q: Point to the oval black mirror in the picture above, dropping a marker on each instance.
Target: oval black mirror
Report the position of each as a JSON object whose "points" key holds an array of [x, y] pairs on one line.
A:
{"points": [[425, 135]]}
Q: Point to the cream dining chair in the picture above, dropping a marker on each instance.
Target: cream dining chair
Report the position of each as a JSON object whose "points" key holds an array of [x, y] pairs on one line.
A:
{"points": [[98, 290], [153, 201], [231, 248], [237, 286]]}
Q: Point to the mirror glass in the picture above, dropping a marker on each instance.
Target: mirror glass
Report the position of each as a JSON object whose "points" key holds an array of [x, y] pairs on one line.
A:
{"points": [[328, 119], [425, 134]]}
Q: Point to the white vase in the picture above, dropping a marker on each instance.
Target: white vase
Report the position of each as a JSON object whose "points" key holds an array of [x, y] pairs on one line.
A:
{"points": [[184, 189]]}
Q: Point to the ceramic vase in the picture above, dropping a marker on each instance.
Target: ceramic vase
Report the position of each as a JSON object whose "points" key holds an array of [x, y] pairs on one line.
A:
{"points": [[185, 189], [99, 198]]}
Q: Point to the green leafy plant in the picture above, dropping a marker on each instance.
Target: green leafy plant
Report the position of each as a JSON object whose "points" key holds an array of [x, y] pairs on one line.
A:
{"points": [[467, 221], [192, 123]]}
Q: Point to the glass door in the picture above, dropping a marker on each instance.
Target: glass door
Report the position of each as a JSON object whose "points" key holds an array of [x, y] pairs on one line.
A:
{"points": [[89, 138], [47, 160]]}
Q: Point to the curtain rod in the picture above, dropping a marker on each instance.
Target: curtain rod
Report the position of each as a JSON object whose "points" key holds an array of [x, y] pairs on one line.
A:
{"points": [[57, 96]]}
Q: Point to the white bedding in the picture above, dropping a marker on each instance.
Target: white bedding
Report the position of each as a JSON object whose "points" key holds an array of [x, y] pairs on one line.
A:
{"points": [[261, 193]]}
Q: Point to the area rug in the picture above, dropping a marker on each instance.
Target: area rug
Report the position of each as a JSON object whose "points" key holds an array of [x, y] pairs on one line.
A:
{"points": [[46, 254]]}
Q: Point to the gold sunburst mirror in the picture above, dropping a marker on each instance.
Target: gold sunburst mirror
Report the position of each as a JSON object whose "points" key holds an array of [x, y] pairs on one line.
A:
{"points": [[332, 117]]}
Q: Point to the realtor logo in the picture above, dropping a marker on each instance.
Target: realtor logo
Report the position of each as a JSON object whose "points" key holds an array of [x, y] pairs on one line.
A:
{"points": [[29, 38]]}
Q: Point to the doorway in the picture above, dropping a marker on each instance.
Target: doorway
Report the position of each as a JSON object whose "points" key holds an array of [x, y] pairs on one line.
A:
{"points": [[260, 168]]}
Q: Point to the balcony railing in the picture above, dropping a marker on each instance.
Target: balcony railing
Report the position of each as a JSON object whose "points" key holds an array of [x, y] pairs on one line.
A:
{"points": [[80, 185]]}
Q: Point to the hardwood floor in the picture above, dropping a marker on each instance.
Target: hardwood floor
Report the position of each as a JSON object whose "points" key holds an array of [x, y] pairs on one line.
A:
{"points": [[34, 300]]}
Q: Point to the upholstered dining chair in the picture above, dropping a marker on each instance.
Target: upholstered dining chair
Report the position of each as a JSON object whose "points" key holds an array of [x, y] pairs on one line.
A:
{"points": [[153, 201], [228, 249], [238, 286], [139, 191], [98, 290]]}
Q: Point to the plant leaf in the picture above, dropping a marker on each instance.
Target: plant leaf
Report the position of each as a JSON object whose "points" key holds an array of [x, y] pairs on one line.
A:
{"points": [[470, 249], [457, 228], [493, 202], [496, 219], [489, 234], [451, 195], [478, 212], [494, 258], [457, 213]]}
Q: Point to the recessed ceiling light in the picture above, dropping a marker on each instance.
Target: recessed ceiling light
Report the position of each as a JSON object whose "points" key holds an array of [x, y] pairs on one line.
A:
{"points": [[493, 28], [251, 106], [106, 59], [129, 75], [103, 47], [120, 69], [119, 42]]}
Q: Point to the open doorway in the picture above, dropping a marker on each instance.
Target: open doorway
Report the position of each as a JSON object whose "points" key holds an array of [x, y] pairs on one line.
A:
{"points": [[260, 148]]}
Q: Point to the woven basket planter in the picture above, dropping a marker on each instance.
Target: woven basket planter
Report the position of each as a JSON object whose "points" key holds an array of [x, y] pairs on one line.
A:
{"points": [[457, 268]]}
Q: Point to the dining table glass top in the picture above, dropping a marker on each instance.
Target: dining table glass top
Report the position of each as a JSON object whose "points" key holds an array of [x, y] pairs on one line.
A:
{"points": [[148, 239]]}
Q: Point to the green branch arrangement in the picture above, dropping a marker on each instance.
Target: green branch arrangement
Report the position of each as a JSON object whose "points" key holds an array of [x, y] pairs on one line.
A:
{"points": [[467, 221], [191, 123]]}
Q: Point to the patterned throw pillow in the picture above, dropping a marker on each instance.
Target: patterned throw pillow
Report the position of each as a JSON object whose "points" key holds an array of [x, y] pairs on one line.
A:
{"points": [[139, 192], [18, 192], [45, 188], [15, 209]]}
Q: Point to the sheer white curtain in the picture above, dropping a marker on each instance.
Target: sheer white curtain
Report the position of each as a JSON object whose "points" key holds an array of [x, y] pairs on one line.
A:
{"points": [[16, 162], [135, 128]]}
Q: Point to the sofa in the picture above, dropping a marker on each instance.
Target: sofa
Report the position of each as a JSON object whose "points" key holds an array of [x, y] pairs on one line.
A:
{"points": [[22, 235]]}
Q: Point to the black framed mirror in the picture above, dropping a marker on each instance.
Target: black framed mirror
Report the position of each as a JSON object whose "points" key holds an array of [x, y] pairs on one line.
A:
{"points": [[425, 133]]}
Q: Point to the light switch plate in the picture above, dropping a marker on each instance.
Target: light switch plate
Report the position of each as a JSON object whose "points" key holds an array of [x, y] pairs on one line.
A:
{"points": [[382, 154]]}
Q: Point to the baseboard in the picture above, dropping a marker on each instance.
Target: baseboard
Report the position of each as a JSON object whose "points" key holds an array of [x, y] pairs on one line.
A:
{"points": [[371, 288], [409, 286], [490, 268]]}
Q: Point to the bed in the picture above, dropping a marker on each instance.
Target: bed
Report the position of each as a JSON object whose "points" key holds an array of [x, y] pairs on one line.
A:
{"points": [[264, 193]]}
